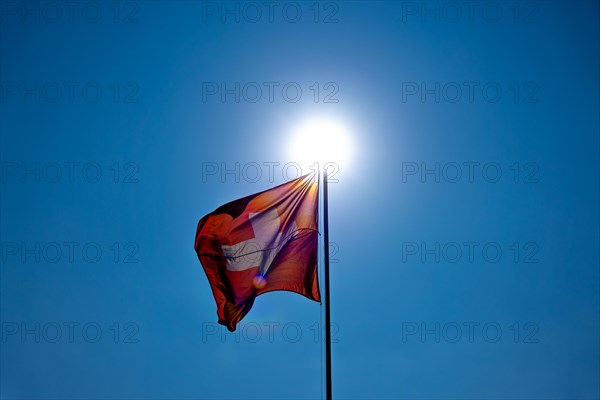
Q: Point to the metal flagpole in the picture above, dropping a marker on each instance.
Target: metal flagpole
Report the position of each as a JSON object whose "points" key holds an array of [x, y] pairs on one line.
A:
{"points": [[327, 302]]}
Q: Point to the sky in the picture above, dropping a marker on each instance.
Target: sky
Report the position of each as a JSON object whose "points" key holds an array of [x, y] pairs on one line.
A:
{"points": [[464, 222]]}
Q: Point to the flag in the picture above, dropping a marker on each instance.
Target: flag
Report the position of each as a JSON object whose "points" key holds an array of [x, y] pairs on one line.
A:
{"points": [[261, 243]]}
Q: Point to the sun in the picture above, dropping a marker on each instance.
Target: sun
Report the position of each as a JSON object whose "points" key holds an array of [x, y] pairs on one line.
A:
{"points": [[321, 140]]}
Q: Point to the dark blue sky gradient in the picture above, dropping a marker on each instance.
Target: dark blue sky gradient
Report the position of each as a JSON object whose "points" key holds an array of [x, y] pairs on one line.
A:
{"points": [[158, 125]]}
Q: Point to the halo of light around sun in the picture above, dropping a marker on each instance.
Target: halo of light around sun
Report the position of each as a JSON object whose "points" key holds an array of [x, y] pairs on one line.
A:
{"points": [[321, 140]]}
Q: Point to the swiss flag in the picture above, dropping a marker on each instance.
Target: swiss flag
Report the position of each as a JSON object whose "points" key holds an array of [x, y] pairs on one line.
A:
{"points": [[260, 243]]}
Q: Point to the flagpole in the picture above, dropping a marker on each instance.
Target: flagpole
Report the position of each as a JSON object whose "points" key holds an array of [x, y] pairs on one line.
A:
{"points": [[327, 302]]}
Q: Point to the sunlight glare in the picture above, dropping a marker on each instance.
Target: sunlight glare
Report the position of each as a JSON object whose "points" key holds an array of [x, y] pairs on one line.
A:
{"points": [[321, 140]]}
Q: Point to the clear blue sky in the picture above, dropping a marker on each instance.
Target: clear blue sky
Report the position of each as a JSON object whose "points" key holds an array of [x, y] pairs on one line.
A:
{"points": [[446, 88]]}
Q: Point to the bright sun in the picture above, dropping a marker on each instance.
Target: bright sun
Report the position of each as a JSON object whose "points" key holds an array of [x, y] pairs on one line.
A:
{"points": [[321, 140]]}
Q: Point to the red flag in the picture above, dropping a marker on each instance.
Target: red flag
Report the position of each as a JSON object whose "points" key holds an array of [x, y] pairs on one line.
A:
{"points": [[261, 243]]}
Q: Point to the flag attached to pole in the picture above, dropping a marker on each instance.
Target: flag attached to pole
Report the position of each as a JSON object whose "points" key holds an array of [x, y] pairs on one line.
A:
{"points": [[261, 243]]}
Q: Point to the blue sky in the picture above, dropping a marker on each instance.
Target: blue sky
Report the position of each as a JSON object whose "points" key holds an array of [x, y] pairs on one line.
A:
{"points": [[464, 227]]}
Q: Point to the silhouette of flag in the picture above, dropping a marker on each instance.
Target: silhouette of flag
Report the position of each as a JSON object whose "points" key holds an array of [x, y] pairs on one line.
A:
{"points": [[260, 243]]}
